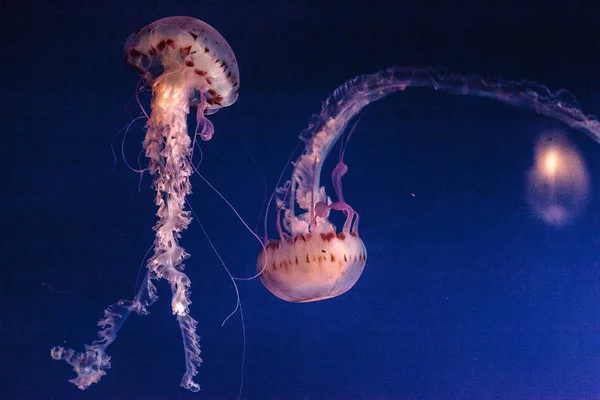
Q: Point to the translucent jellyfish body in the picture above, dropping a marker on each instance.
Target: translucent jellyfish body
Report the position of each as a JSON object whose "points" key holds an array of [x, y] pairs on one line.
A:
{"points": [[558, 183], [188, 64], [311, 267], [287, 266]]}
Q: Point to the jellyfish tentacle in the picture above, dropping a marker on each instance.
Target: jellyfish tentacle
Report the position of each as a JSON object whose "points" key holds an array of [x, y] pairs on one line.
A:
{"points": [[348, 100], [168, 146], [91, 364], [348, 210], [204, 128], [336, 177], [322, 210]]}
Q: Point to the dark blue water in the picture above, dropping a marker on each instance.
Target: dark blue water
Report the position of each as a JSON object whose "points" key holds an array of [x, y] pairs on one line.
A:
{"points": [[466, 295]]}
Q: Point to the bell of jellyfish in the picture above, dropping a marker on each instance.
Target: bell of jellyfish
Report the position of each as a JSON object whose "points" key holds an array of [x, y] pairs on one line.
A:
{"points": [[312, 260], [188, 64], [558, 183]]}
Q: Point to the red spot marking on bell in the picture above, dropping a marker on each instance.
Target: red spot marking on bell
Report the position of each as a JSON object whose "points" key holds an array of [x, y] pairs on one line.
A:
{"points": [[296, 260], [272, 245], [200, 72], [189, 63], [341, 236], [299, 237], [170, 42], [332, 257], [161, 45], [206, 50], [354, 234], [327, 236], [208, 80], [215, 100], [345, 258], [192, 34], [212, 92], [235, 84], [135, 53], [185, 51], [307, 259], [237, 91], [152, 51]]}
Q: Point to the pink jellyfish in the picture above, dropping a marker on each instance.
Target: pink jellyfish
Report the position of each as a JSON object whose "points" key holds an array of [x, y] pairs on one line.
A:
{"points": [[313, 261], [187, 63]]}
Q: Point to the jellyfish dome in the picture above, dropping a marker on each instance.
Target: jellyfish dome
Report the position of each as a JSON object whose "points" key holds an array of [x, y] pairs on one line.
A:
{"points": [[311, 267], [186, 56]]}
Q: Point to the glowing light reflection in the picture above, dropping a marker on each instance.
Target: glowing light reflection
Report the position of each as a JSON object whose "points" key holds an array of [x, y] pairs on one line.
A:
{"points": [[558, 183]]}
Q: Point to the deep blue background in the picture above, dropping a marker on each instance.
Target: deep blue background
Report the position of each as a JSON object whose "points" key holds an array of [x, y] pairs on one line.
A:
{"points": [[465, 294]]}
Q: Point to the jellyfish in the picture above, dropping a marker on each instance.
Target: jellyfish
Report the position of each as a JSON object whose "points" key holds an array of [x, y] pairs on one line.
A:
{"points": [[188, 64], [313, 261], [558, 183]]}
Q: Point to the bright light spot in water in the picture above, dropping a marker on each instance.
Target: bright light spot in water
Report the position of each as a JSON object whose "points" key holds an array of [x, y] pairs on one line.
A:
{"points": [[551, 162], [558, 183]]}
